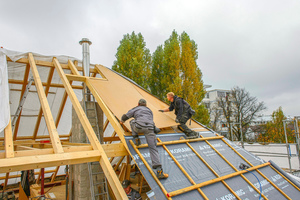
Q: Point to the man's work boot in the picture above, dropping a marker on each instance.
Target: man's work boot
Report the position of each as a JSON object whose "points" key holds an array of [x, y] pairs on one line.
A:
{"points": [[160, 174], [191, 135]]}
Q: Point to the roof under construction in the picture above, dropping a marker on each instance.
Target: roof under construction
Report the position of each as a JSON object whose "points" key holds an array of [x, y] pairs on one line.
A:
{"points": [[209, 167]]}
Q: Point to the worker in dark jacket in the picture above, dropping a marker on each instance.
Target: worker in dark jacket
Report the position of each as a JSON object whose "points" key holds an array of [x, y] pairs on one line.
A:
{"points": [[183, 112], [143, 123]]}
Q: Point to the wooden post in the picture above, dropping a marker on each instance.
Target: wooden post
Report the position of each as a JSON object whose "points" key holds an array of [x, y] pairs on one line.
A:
{"points": [[8, 140]]}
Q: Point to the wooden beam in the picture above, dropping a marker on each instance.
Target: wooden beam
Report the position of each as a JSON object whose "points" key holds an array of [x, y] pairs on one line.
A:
{"points": [[181, 141], [45, 106], [110, 139], [6, 180], [43, 161], [54, 174], [24, 84], [46, 64], [38, 121], [104, 162], [75, 78], [13, 81], [80, 78], [20, 138], [9, 145], [73, 68]]}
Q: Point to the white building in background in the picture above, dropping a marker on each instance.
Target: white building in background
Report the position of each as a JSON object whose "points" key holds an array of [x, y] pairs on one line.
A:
{"points": [[217, 118]]}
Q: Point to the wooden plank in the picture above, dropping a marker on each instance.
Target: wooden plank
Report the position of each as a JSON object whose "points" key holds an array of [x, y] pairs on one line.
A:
{"points": [[104, 162], [38, 121], [49, 160], [9, 145], [112, 119], [24, 84], [45, 106], [181, 141], [13, 81]]}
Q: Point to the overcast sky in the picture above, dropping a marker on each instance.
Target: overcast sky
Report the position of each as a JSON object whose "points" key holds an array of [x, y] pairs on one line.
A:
{"points": [[252, 44]]}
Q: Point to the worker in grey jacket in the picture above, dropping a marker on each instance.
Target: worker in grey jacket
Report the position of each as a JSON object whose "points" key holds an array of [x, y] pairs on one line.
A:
{"points": [[143, 123]]}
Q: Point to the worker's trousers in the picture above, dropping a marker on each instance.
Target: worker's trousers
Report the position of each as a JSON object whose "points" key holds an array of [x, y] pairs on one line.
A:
{"points": [[183, 119], [151, 140]]}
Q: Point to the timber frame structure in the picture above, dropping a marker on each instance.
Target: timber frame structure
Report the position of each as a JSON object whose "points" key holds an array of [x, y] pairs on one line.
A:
{"points": [[31, 152], [25, 152]]}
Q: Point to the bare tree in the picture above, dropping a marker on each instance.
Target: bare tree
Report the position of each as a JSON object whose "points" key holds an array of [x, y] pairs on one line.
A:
{"points": [[240, 110]]}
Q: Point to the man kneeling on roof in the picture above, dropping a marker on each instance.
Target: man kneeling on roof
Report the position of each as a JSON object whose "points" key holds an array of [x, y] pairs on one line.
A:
{"points": [[183, 112], [143, 123], [131, 193]]}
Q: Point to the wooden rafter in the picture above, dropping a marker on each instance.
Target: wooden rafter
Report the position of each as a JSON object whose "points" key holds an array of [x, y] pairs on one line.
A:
{"points": [[104, 162], [38, 121], [46, 108], [65, 95], [24, 83]]}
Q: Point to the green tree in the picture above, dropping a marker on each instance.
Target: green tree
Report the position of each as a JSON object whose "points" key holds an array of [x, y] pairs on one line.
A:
{"points": [[175, 67], [134, 59], [274, 130], [157, 85]]}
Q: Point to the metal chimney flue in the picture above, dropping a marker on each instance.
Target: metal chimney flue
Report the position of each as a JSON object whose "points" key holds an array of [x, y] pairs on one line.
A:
{"points": [[85, 42]]}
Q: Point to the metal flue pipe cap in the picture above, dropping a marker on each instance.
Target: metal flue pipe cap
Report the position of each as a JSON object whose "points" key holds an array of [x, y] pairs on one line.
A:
{"points": [[83, 40]]}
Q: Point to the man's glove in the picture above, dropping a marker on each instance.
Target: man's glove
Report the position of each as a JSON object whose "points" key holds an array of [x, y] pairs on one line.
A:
{"points": [[137, 141], [161, 110], [156, 130], [176, 120]]}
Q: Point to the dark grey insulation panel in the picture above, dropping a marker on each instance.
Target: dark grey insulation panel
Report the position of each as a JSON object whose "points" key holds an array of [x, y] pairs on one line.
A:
{"points": [[200, 173]]}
